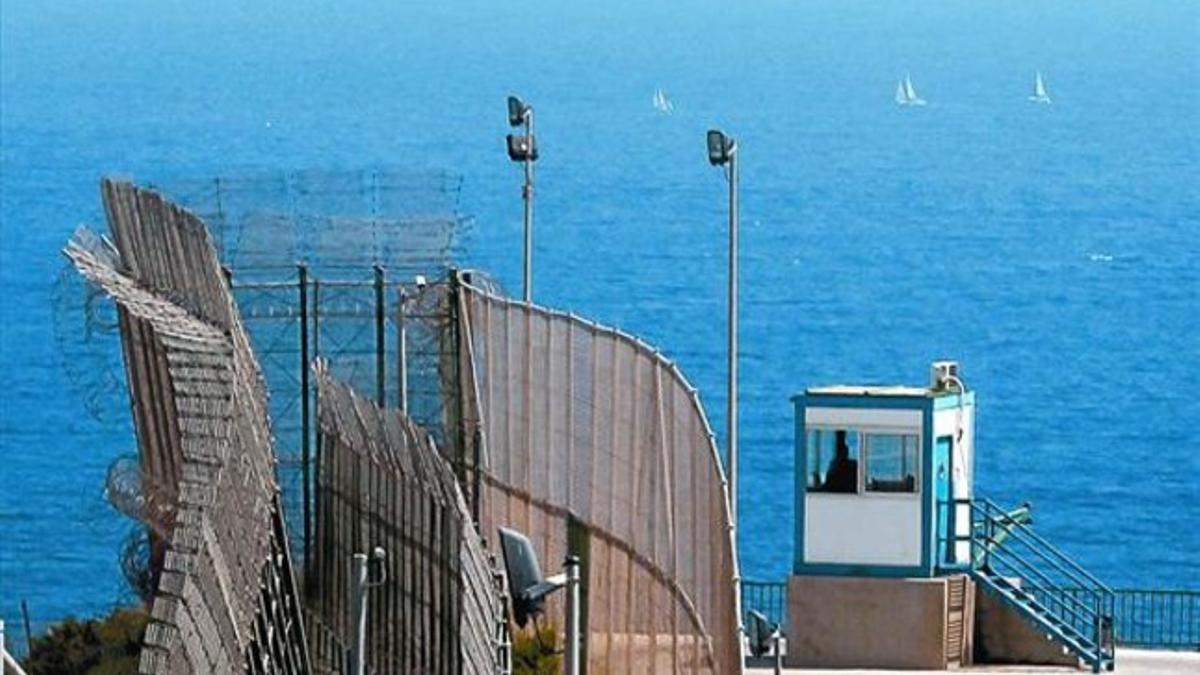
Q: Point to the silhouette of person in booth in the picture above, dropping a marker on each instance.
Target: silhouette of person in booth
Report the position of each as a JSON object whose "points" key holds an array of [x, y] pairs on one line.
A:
{"points": [[842, 475]]}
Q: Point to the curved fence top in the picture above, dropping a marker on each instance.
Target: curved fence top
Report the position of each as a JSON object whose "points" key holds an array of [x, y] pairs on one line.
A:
{"points": [[582, 428], [225, 599]]}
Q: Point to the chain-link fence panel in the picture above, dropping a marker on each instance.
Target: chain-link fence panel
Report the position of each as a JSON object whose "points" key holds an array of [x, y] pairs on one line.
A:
{"points": [[581, 427], [382, 483], [225, 599]]}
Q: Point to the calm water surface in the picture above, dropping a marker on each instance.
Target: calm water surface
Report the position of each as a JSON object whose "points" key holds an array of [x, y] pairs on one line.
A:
{"points": [[1053, 250]]}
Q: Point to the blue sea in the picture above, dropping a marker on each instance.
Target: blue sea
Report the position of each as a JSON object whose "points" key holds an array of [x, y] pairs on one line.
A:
{"points": [[1053, 250]]}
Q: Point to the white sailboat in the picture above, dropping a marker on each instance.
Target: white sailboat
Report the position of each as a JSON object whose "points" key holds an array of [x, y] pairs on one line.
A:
{"points": [[1039, 90], [662, 103], [906, 94]]}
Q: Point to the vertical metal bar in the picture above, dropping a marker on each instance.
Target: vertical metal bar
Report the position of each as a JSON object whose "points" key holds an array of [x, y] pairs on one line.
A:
{"points": [[573, 637], [305, 450], [380, 350], [527, 196], [321, 505], [358, 590], [732, 403], [777, 640], [28, 630], [401, 351]]}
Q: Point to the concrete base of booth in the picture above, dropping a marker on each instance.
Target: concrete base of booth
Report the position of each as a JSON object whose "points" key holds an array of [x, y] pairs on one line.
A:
{"points": [[1002, 636], [852, 622]]}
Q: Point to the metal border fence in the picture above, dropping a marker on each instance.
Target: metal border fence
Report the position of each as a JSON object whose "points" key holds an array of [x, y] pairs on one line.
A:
{"points": [[570, 426], [1151, 618], [225, 598]]}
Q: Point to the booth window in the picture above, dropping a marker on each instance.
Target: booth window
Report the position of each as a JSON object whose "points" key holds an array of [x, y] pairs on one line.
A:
{"points": [[832, 460], [892, 462]]}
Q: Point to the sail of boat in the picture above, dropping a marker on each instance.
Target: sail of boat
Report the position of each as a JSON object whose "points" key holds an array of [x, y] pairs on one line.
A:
{"points": [[906, 94], [1039, 90], [661, 102]]}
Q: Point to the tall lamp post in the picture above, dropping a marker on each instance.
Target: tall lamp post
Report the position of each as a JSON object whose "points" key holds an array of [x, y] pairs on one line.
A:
{"points": [[523, 148], [722, 151]]}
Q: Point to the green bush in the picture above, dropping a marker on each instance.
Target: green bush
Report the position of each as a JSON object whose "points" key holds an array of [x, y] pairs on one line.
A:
{"points": [[535, 653], [107, 646]]}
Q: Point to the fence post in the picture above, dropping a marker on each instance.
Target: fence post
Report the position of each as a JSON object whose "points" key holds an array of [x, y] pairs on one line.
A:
{"points": [[358, 589], [401, 351], [573, 637], [380, 362], [305, 450], [318, 501]]}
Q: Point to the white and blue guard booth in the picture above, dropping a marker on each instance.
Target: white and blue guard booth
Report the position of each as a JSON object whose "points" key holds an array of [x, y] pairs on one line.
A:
{"points": [[883, 476]]}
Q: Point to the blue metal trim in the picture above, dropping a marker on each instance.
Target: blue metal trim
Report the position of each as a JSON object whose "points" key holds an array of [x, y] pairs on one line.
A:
{"points": [[853, 570], [954, 401], [929, 497], [801, 482], [865, 402]]}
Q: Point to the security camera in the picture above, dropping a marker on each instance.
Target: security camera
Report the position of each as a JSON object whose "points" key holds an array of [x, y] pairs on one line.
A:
{"points": [[376, 570]]}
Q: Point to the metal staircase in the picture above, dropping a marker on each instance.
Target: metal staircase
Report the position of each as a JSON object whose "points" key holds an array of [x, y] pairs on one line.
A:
{"points": [[1047, 588]]}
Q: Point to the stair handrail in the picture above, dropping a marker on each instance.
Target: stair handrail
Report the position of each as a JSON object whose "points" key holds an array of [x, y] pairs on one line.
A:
{"points": [[1103, 594], [1023, 567], [1090, 626], [1088, 613], [1017, 534], [1042, 540]]}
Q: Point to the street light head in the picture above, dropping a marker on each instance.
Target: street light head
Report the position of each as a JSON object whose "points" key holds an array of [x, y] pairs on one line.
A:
{"points": [[522, 148], [526, 584], [517, 111], [720, 147]]}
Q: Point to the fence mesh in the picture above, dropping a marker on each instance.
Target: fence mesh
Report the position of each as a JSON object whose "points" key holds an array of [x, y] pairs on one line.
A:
{"points": [[337, 222], [581, 436], [225, 599], [305, 250], [382, 482], [585, 427]]}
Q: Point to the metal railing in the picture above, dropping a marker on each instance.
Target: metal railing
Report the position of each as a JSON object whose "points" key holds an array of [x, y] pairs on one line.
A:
{"points": [[768, 597], [1148, 618], [1031, 573], [1156, 618]]}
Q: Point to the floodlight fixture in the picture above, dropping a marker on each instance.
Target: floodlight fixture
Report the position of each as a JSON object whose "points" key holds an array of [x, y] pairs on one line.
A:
{"points": [[760, 633], [521, 148], [526, 584], [518, 110], [720, 148]]}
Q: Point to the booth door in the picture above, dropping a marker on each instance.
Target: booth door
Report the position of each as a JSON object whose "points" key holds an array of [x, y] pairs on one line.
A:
{"points": [[943, 489]]}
